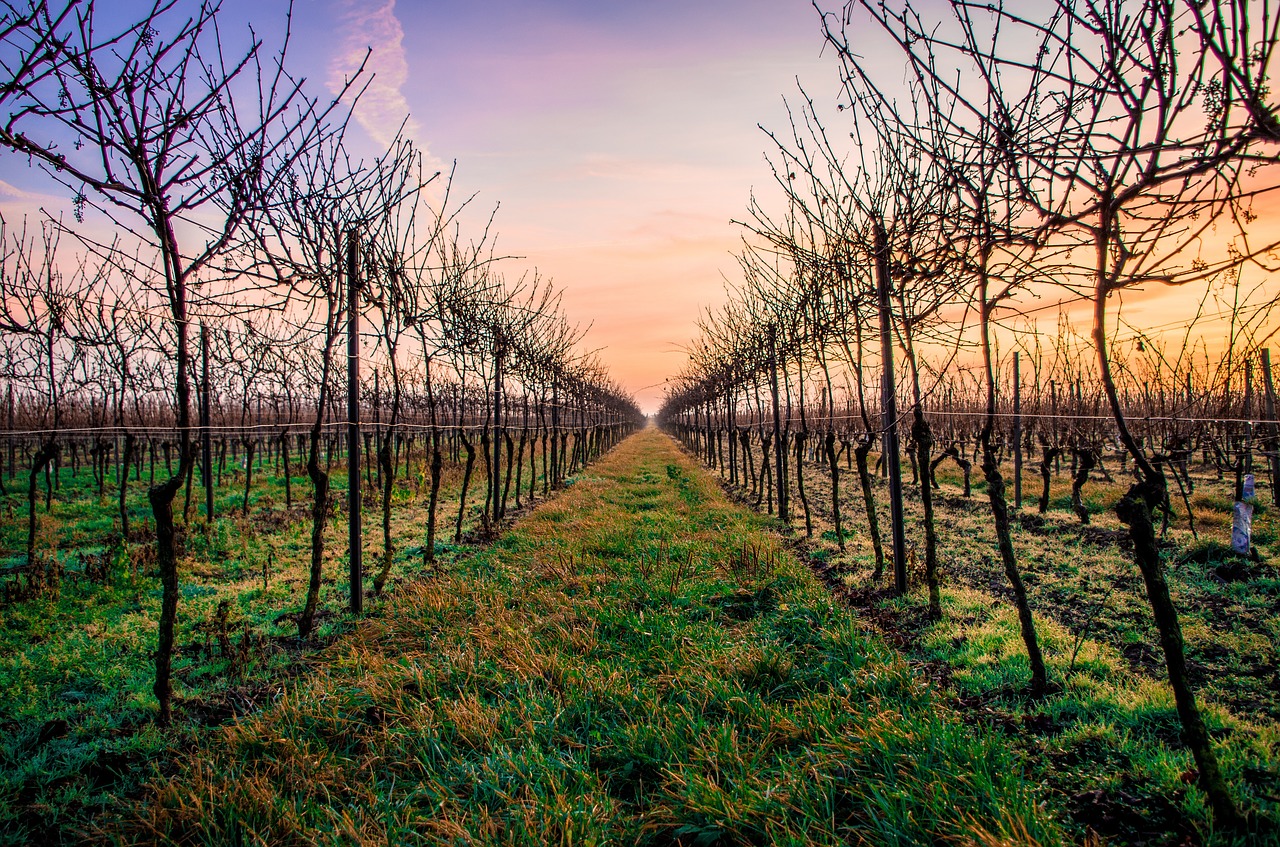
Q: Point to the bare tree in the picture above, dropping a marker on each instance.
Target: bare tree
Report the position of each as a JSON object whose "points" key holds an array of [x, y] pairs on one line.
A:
{"points": [[1151, 123], [979, 239], [170, 133], [115, 317], [38, 301]]}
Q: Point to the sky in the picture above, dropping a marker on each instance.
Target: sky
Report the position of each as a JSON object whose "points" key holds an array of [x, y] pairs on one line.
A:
{"points": [[618, 139]]}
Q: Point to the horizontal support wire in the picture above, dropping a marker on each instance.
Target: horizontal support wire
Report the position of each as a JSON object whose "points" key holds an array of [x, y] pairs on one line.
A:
{"points": [[291, 429]]}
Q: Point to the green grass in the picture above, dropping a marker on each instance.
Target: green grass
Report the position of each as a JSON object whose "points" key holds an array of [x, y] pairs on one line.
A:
{"points": [[635, 662], [1107, 729], [76, 663], [1107, 745]]}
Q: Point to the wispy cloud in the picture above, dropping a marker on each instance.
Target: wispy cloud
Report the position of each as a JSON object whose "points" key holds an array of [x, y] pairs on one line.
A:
{"points": [[373, 25], [10, 193], [16, 202]]}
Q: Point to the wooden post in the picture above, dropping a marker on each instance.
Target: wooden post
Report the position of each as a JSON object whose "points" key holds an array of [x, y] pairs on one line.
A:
{"points": [[554, 476], [206, 418], [1247, 444], [11, 430], [495, 484], [889, 414], [779, 450], [1017, 432], [1273, 442], [354, 495], [9, 440]]}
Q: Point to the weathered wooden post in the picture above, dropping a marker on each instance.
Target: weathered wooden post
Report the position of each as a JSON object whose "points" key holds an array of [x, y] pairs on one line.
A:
{"points": [[11, 427], [355, 497], [779, 450], [1017, 431], [889, 413], [495, 483], [206, 418], [1273, 434]]}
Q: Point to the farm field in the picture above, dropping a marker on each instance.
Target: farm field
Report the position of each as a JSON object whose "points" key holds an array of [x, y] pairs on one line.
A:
{"points": [[1081, 575], [1108, 738], [350, 492], [637, 660], [76, 651]]}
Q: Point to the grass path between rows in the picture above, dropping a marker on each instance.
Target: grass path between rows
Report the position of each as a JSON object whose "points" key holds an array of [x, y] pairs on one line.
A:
{"points": [[637, 661]]}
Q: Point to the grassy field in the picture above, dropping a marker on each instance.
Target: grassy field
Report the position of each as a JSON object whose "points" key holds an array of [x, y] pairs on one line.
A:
{"points": [[76, 666], [1107, 745], [638, 660]]}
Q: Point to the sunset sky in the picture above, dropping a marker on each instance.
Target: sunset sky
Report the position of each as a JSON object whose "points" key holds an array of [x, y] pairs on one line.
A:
{"points": [[618, 139]]}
